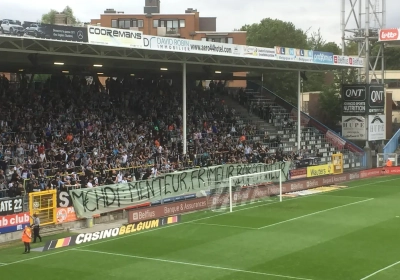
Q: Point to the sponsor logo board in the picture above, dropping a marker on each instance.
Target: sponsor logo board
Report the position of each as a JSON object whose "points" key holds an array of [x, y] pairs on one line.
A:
{"points": [[376, 127], [323, 57], [298, 173], [112, 232], [66, 214], [14, 222], [354, 99], [105, 36], [376, 99], [354, 128], [319, 170], [10, 206], [391, 34]]}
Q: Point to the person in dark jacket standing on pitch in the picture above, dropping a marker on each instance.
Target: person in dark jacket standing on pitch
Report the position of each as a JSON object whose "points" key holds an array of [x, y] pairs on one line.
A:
{"points": [[36, 228]]}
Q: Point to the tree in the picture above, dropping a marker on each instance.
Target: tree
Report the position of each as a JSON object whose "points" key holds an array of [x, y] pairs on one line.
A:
{"points": [[50, 17], [330, 101], [270, 33], [330, 106], [316, 80]]}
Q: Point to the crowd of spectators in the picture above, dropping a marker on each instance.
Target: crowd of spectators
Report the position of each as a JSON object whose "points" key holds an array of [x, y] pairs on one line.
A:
{"points": [[68, 133]]}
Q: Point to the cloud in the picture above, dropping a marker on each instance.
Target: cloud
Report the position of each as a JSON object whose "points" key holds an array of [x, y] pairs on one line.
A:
{"points": [[231, 14]]}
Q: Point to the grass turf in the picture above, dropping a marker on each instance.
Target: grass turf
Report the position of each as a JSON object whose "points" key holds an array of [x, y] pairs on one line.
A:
{"points": [[347, 234]]}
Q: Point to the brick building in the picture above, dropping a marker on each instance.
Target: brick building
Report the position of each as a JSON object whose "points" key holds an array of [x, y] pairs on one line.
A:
{"points": [[189, 25]]}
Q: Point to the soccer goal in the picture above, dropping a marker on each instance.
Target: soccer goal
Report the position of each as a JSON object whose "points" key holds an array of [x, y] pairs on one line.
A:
{"points": [[382, 159], [242, 190]]}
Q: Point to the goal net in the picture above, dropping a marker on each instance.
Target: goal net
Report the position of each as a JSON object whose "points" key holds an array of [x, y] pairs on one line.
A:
{"points": [[243, 190], [382, 159]]}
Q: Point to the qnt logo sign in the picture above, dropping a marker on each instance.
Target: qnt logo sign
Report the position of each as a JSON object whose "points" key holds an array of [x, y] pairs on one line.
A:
{"points": [[376, 99], [389, 34]]}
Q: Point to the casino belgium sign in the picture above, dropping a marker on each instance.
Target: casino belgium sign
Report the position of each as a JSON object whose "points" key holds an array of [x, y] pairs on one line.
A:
{"points": [[363, 99]]}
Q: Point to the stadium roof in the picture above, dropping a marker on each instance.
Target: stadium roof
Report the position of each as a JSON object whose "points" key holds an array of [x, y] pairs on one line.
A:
{"points": [[35, 55]]}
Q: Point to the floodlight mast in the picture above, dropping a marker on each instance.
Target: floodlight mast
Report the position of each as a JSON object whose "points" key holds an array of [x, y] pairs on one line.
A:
{"points": [[360, 23]]}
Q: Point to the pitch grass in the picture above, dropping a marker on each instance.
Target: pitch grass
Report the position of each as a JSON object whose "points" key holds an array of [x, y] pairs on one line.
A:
{"points": [[347, 234]]}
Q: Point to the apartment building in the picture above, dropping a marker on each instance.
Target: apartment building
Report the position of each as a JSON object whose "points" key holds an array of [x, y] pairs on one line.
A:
{"points": [[188, 25]]}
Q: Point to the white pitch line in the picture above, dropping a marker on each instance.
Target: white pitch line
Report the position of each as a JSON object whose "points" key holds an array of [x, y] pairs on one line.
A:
{"points": [[3, 264], [314, 213], [220, 225], [193, 264], [380, 270], [151, 230], [327, 194]]}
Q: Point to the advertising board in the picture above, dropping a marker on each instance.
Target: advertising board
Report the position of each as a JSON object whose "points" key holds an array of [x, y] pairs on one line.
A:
{"points": [[376, 127], [376, 99], [14, 222], [354, 127], [57, 32], [190, 46], [304, 55], [285, 54], [390, 34], [298, 173], [66, 214], [112, 232], [10, 206], [354, 99], [319, 170], [105, 36], [323, 57]]}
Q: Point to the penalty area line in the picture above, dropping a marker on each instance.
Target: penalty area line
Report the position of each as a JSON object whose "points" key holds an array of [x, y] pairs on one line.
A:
{"points": [[380, 270], [192, 264], [314, 213], [220, 225]]}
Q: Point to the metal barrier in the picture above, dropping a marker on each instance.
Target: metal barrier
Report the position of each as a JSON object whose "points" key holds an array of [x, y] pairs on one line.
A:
{"points": [[44, 204], [393, 143]]}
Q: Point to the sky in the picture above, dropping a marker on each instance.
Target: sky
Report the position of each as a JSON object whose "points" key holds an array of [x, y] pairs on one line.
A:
{"points": [[305, 14]]}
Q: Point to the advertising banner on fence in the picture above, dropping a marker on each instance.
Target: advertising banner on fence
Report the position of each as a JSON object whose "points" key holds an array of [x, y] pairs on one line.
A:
{"points": [[89, 202], [354, 99], [354, 128], [63, 199], [323, 57], [190, 46], [105, 36], [57, 32], [348, 60], [376, 127], [286, 54], [320, 170], [304, 55], [298, 173], [14, 222], [249, 51], [112, 232], [10, 206], [376, 99], [66, 214]]}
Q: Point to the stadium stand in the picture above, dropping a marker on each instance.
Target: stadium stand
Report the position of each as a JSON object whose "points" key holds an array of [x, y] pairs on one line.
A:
{"points": [[280, 123], [66, 134]]}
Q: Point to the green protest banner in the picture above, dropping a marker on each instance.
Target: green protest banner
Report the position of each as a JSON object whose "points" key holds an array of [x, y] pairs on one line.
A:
{"points": [[93, 201]]}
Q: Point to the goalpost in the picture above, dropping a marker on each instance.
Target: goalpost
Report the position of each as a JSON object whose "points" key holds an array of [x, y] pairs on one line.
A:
{"points": [[243, 190]]}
